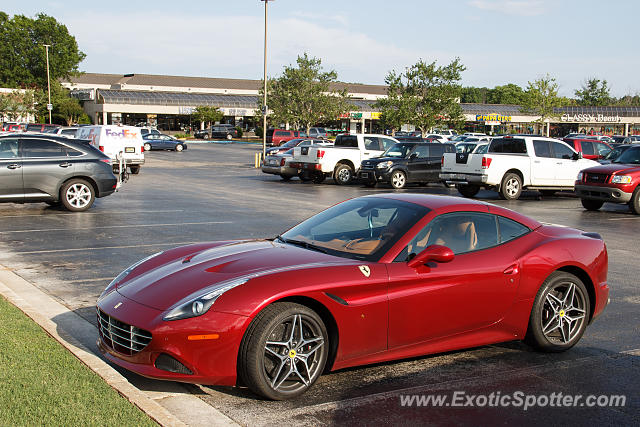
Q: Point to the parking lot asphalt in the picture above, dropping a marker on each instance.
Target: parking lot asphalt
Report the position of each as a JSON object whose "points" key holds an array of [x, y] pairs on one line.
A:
{"points": [[212, 192]]}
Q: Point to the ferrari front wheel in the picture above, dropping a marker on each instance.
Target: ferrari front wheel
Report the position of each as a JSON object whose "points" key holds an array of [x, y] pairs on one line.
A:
{"points": [[560, 313], [284, 351]]}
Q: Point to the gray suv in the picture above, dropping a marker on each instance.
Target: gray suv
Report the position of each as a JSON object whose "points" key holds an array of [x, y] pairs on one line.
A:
{"points": [[54, 170]]}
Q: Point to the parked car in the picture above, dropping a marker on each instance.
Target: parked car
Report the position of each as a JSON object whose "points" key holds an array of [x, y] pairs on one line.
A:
{"points": [[620, 139], [54, 170], [40, 127], [458, 138], [278, 164], [162, 142], [276, 137], [202, 133], [117, 142], [366, 281], [317, 133], [342, 161], [224, 131], [603, 138], [304, 142], [616, 182], [405, 162], [66, 131], [515, 163], [436, 138], [146, 130], [589, 148]]}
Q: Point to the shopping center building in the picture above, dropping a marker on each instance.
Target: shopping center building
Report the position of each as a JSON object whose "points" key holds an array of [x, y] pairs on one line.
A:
{"points": [[168, 101]]}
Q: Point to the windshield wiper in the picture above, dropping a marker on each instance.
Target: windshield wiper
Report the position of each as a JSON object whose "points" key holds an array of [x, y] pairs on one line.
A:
{"points": [[305, 245]]}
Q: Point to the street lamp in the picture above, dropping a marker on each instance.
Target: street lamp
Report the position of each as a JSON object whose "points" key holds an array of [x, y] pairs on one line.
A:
{"points": [[49, 106], [264, 103]]}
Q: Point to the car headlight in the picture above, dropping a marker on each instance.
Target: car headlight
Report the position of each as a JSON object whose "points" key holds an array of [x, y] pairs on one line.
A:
{"points": [[112, 286], [621, 179], [385, 165], [200, 302], [580, 175]]}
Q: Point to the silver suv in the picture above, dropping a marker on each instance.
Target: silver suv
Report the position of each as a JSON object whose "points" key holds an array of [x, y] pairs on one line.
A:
{"points": [[54, 170]]}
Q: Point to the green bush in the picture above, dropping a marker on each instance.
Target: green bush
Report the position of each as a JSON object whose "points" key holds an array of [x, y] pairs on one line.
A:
{"points": [[181, 135], [239, 129]]}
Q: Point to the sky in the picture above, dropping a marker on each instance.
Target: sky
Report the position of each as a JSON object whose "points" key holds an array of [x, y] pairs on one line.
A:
{"points": [[499, 41]]}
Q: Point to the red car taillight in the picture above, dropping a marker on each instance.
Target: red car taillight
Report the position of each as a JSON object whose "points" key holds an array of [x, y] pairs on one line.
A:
{"points": [[320, 154], [142, 149], [442, 161], [106, 160], [102, 148], [486, 162]]}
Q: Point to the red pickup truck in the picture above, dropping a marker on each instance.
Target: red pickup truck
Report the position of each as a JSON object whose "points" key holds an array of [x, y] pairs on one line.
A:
{"points": [[616, 182]]}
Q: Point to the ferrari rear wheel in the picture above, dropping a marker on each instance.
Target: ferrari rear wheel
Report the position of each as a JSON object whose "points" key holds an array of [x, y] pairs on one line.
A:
{"points": [[560, 313], [284, 351]]}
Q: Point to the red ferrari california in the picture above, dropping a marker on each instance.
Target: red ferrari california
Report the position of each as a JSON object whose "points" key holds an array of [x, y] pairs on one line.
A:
{"points": [[368, 280]]}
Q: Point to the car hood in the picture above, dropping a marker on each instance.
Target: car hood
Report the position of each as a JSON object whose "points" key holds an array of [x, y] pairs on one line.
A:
{"points": [[376, 160], [164, 285], [613, 168]]}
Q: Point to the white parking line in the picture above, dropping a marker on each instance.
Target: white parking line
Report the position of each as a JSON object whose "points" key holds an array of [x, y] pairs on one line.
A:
{"points": [[116, 226], [92, 213], [105, 247], [624, 218]]}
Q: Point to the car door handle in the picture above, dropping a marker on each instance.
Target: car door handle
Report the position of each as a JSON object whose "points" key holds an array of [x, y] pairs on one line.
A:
{"points": [[366, 154], [65, 164], [512, 269], [14, 166], [536, 161]]}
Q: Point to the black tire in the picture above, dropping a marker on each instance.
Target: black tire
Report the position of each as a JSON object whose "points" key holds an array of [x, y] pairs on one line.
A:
{"points": [[285, 177], [511, 187], [549, 330], [54, 204], [179, 147], [343, 174], [147, 146], [468, 190], [592, 205], [135, 169], [634, 203], [548, 193], [398, 179], [263, 367], [77, 195], [304, 177], [318, 178]]}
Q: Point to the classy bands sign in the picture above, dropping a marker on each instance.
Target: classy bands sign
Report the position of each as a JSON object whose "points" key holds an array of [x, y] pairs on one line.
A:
{"points": [[590, 118]]}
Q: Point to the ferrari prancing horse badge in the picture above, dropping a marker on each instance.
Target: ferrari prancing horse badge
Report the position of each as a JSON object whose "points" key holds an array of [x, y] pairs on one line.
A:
{"points": [[364, 269]]}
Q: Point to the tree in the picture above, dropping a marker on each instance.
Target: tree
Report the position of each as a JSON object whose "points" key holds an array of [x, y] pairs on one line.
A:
{"points": [[207, 114], [302, 95], [17, 105], [22, 54], [394, 109], [507, 94], [542, 99], [474, 95], [429, 93], [594, 92], [68, 109]]}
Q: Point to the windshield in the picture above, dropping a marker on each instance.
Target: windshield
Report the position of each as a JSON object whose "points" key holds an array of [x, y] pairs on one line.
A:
{"points": [[292, 143], [465, 148], [630, 156], [364, 228], [613, 154], [459, 138], [481, 149], [398, 150]]}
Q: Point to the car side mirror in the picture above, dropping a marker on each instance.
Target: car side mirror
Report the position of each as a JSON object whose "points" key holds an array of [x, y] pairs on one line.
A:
{"points": [[436, 253], [577, 156]]}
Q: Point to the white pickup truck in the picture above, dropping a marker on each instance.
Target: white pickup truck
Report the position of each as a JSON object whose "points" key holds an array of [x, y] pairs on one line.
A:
{"points": [[342, 161], [512, 164]]}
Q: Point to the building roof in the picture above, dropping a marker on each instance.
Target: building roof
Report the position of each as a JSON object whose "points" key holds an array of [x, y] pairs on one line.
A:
{"points": [[159, 81]]}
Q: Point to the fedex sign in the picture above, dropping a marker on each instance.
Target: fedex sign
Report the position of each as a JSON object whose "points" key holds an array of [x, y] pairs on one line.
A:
{"points": [[124, 133]]}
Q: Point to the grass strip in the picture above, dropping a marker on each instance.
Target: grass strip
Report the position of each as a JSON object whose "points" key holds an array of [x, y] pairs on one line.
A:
{"points": [[42, 383]]}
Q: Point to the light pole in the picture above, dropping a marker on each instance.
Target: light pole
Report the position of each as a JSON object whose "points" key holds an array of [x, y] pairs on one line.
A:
{"points": [[264, 103], [49, 106]]}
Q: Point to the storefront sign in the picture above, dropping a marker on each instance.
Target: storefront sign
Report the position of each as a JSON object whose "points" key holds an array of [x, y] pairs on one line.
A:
{"points": [[186, 111], [492, 118], [492, 123], [375, 115], [590, 118]]}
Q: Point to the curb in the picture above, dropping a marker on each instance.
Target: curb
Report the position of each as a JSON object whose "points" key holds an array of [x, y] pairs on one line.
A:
{"points": [[23, 294]]}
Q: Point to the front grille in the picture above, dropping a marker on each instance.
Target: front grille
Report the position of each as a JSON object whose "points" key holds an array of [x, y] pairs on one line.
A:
{"points": [[598, 178], [123, 338]]}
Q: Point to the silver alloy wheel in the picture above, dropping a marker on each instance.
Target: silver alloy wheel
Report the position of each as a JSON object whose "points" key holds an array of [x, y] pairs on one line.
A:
{"points": [[179, 147], [563, 313], [293, 356], [344, 175], [229, 136], [513, 187], [147, 147], [398, 180], [78, 195]]}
